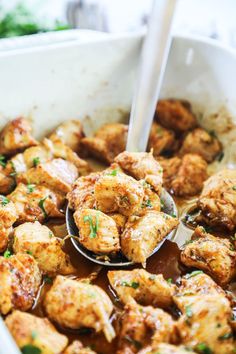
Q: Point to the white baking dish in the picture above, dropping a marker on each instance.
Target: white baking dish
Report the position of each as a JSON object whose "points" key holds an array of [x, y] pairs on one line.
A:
{"points": [[93, 80]]}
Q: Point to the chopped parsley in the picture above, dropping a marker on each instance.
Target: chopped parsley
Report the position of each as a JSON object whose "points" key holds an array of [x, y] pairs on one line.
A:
{"points": [[93, 227], [173, 215], [169, 280], [133, 284], [30, 349], [193, 274], [29, 252], [112, 173], [47, 279], [36, 161], [147, 204], [50, 234], [162, 204], [34, 334], [226, 336], [3, 161], [30, 188], [13, 173], [234, 188], [187, 242], [134, 342], [41, 205], [189, 312], [203, 348], [4, 200], [7, 254]]}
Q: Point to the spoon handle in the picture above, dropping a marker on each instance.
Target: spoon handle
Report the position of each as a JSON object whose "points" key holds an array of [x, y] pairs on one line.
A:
{"points": [[152, 67]]}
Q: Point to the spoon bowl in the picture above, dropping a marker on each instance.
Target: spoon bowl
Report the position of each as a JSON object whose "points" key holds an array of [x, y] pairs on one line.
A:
{"points": [[119, 260]]}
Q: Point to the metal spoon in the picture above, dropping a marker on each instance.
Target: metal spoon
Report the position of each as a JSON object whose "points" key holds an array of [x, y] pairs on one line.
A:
{"points": [[153, 63]]}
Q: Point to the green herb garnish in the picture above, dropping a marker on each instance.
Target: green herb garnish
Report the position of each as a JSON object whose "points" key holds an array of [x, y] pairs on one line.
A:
{"points": [[41, 205], [226, 336], [30, 188], [34, 334], [112, 173], [234, 188], [3, 161], [30, 349], [50, 234], [47, 279], [134, 342], [133, 284], [7, 254], [147, 204], [193, 274], [4, 200], [93, 227], [36, 161], [203, 348], [189, 312], [29, 252], [169, 280]]}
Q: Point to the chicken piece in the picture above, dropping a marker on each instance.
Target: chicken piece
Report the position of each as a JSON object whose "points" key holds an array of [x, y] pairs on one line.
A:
{"points": [[69, 133], [29, 330], [118, 193], [77, 348], [176, 115], [20, 279], [34, 202], [141, 326], [75, 304], [16, 136], [184, 177], [161, 140], [7, 183], [143, 233], [35, 155], [200, 142], [8, 215], [120, 221], [57, 174], [4, 238], [82, 193], [142, 165], [206, 313], [145, 288], [164, 348], [39, 241], [211, 254], [107, 142], [218, 199], [60, 150], [97, 231], [151, 200]]}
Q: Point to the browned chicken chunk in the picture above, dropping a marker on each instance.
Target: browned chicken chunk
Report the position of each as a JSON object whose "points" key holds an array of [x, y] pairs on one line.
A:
{"points": [[75, 304], [176, 115], [205, 316], [16, 136], [142, 165], [82, 193], [20, 279], [200, 142], [212, 254], [141, 326], [29, 330], [97, 231], [107, 142], [143, 233], [69, 133], [184, 177], [77, 348], [120, 221], [218, 199], [8, 215], [164, 348], [57, 174], [118, 193], [39, 241], [161, 140], [144, 287], [33, 202]]}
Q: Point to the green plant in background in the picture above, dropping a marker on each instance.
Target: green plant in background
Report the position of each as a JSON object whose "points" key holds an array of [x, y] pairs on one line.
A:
{"points": [[21, 21]]}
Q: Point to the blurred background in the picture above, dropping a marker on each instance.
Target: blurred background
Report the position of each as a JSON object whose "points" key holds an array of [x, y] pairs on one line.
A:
{"points": [[211, 18]]}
